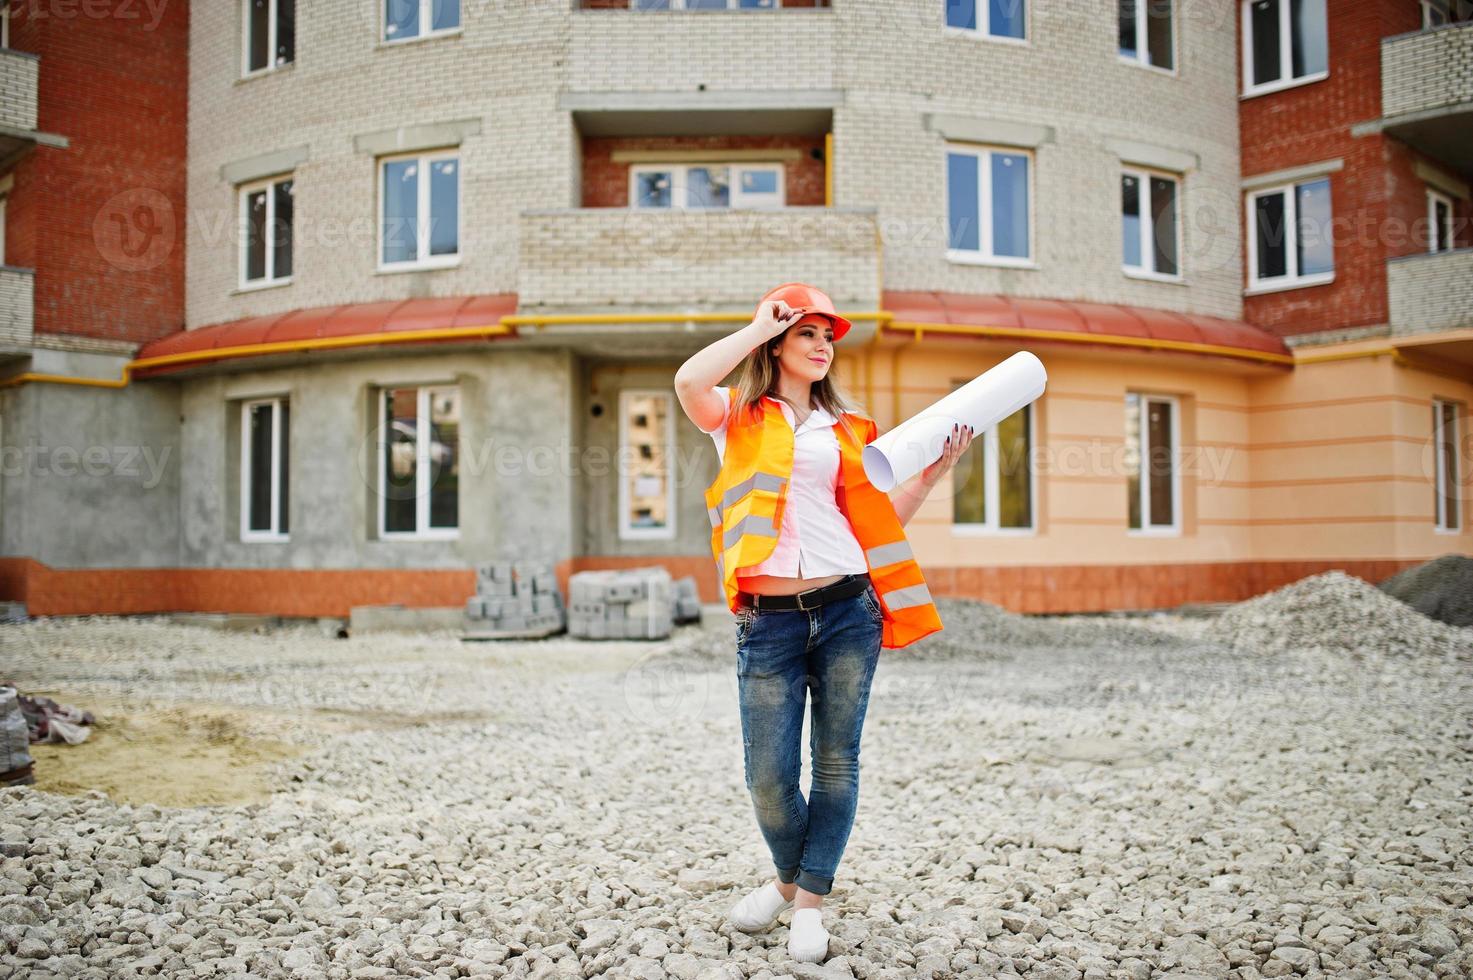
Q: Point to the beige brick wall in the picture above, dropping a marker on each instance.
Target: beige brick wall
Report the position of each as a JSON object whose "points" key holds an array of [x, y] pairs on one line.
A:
{"points": [[890, 58], [17, 306], [1431, 292], [18, 77], [1427, 70]]}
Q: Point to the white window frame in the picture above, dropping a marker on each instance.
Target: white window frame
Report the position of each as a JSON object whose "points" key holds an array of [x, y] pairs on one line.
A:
{"points": [[278, 471], [244, 192], [984, 254], [992, 486], [1291, 279], [1451, 12], [1434, 198], [1142, 44], [983, 30], [246, 71], [423, 259], [1148, 225], [1147, 529], [1286, 53], [423, 531], [680, 176], [628, 532], [1442, 479], [426, 17]]}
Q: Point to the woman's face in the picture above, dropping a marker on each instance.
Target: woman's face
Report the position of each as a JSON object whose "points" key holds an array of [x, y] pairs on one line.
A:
{"points": [[806, 349]]}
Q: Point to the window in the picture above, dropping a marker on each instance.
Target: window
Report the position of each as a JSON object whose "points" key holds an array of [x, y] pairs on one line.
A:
{"points": [[266, 233], [4, 25], [1437, 13], [706, 186], [412, 187], [1440, 237], [1150, 232], [1289, 243], [1284, 44], [1003, 19], [264, 455], [1151, 450], [989, 206], [1146, 33], [994, 490], [407, 19], [269, 38], [419, 461], [1447, 441], [646, 483], [703, 4]]}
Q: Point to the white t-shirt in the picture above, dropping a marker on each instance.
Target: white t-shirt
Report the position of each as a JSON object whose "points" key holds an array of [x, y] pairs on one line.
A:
{"points": [[815, 538]]}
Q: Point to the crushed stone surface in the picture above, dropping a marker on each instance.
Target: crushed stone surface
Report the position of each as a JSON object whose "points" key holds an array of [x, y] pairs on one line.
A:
{"points": [[1282, 790]]}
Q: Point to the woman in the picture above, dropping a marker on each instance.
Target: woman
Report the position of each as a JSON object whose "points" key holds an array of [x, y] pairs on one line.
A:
{"points": [[797, 533]]}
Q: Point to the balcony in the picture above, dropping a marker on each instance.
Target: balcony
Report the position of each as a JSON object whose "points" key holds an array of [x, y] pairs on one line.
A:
{"points": [[626, 260], [1427, 91], [19, 74], [17, 307], [1430, 293], [696, 72]]}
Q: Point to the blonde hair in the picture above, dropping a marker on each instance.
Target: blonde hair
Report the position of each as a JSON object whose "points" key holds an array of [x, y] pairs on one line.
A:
{"points": [[757, 375]]}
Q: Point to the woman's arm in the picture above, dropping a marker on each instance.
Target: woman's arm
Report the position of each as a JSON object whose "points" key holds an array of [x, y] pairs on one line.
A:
{"points": [[908, 496], [703, 370]]}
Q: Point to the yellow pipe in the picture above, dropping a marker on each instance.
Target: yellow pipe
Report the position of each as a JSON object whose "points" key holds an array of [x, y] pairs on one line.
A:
{"points": [[1344, 355], [1148, 343]]}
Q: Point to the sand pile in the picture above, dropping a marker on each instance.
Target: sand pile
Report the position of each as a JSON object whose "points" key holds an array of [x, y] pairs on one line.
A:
{"points": [[1441, 588]]}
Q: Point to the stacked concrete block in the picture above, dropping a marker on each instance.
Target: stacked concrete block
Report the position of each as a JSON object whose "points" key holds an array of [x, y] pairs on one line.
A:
{"points": [[15, 741], [622, 604], [514, 599], [687, 600]]}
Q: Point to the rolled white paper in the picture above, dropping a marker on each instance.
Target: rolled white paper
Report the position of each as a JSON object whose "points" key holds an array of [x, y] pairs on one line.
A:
{"points": [[982, 402]]}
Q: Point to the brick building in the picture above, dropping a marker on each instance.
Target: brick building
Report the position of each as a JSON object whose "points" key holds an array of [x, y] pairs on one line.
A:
{"points": [[413, 295]]}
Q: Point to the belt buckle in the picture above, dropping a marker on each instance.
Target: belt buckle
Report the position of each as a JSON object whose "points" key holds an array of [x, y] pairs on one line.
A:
{"points": [[805, 592]]}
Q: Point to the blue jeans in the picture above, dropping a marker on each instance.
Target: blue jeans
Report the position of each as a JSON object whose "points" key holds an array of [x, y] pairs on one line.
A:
{"points": [[783, 655]]}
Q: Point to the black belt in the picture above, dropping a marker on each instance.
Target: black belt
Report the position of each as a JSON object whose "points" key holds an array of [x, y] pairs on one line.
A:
{"points": [[849, 585]]}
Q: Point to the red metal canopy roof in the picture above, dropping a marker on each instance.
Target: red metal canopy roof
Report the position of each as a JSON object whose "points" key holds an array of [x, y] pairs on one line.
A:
{"points": [[371, 321], [1079, 318]]}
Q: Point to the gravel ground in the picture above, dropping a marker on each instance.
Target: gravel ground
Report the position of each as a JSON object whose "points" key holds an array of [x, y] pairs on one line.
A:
{"points": [[1281, 790]]}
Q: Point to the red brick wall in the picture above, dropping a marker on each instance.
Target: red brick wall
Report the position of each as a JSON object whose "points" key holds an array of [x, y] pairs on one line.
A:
{"points": [[102, 221], [1310, 123], [606, 183]]}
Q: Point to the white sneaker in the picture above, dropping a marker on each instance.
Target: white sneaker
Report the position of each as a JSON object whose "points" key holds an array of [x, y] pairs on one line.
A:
{"points": [[758, 909], [808, 940]]}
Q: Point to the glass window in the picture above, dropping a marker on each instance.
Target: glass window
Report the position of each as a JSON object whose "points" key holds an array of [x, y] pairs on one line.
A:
{"points": [[408, 19], [266, 232], [1146, 34], [1440, 237], [1451, 482], [998, 18], [646, 483], [265, 441], [1290, 242], [406, 195], [270, 34], [1285, 41], [1148, 207], [993, 488], [706, 185], [1150, 462], [989, 205], [419, 461]]}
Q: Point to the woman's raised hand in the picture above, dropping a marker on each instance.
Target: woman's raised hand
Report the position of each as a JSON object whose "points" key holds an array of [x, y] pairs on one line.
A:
{"points": [[774, 317]]}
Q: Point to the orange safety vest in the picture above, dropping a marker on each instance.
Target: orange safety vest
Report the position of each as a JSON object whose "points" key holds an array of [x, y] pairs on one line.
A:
{"points": [[746, 501]]}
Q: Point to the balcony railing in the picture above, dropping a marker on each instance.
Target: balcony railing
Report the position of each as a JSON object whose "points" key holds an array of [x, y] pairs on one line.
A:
{"points": [[18, 75], [618, 259], [1427, 70], [1431, 292]]}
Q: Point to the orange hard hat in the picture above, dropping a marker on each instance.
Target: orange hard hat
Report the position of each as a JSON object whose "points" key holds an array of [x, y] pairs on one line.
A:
{"points": [[807, 299]]}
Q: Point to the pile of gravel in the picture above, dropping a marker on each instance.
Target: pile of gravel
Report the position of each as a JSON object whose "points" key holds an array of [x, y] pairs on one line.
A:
{"points": [[1441, 588], [1337, 612], [975, 630]]}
